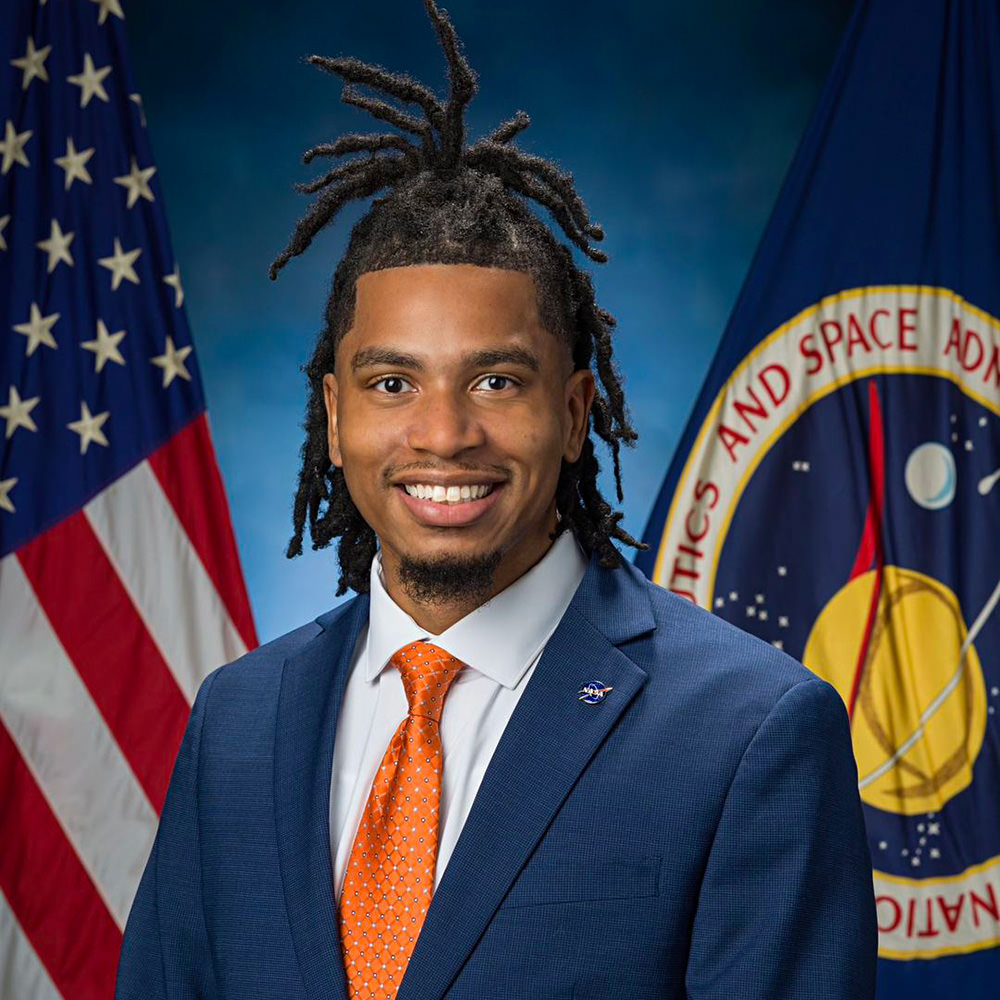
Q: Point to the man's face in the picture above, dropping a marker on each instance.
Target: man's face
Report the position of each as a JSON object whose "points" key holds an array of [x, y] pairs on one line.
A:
{"points": [[450, 413]]}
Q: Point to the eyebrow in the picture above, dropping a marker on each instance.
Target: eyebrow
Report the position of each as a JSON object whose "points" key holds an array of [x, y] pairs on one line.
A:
{"points": [[502, 356], [369, 357]]}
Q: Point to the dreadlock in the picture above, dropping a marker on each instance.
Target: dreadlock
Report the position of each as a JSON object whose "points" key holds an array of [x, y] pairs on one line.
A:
{"points": [[451, 204]]}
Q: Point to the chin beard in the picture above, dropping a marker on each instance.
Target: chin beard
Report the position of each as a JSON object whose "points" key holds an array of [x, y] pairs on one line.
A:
{"points": [[446, 579]]}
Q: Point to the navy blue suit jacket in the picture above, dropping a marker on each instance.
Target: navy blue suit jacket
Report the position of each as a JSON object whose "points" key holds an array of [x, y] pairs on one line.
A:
{"points": [[698, 833]]}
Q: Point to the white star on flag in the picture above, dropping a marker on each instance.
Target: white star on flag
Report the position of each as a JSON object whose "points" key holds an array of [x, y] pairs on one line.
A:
{"points": [[120, 265], [105, 346], [75, 163], [172, 362], [136, 99], [38, 330], [12, 147], [3, 225], [108, 7], [17, 412], [33, 63], [6, 485], [57, 246], [90, 81], [137, 182], [89, 427], [174, 280]]}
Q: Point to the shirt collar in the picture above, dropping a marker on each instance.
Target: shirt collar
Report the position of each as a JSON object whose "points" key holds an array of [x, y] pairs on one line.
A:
{"points": [[500, 638]]}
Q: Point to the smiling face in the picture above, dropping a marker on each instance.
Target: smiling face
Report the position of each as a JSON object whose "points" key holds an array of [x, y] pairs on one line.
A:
{"points": [[450, 412]]}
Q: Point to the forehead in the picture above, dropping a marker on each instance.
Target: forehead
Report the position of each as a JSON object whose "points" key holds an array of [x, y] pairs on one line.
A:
{"points": [[445, 299]]}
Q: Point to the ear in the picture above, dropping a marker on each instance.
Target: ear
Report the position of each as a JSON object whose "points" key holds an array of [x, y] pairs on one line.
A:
{"points": [[330, 391], [579, 397]]}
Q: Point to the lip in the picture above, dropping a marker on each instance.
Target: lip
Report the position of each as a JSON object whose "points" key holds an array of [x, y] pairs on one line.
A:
{"points": [[449, 515], [446, 481]]}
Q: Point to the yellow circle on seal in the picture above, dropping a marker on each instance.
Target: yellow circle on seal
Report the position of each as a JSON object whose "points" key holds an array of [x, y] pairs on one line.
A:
{"points": [[920, 707]]}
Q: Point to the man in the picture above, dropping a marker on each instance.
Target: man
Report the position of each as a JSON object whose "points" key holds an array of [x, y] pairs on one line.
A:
{"points": [[510, 767]]}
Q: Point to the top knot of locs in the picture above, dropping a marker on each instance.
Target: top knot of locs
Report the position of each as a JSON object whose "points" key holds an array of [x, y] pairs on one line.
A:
{"points": [[437, 145]]}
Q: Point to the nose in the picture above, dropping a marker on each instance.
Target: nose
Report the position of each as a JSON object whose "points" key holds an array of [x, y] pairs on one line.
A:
{"points": [[445, 424]]}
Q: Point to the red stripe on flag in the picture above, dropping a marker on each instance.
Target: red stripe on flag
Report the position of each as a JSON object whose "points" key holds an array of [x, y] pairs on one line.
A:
{"points": [[95, 620], [187, 469], [49, 891]]}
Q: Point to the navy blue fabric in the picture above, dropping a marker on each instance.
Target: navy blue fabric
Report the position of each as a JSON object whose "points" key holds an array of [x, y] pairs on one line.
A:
{"points": [[696, 834]]}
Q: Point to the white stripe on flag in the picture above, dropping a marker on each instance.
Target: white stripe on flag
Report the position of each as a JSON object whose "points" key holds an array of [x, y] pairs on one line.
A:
{"points": [[68, 748], [165, 578], [22, 975]]}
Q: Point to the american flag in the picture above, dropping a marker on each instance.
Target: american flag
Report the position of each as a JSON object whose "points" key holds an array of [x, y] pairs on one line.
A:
{"points": [[120, 586]]}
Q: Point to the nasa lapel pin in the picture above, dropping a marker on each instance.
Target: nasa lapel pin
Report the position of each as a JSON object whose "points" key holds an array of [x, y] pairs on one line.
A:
{"points": [[593, 692]]}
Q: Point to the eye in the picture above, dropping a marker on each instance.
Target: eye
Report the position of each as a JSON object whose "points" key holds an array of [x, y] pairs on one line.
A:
{"points": [[392, 385], [495, 383]]}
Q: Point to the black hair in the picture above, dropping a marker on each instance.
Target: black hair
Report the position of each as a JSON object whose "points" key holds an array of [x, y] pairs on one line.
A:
{"points": [[448, 203]]}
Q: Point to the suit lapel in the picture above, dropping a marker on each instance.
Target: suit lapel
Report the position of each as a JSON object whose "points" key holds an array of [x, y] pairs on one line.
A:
{"points": [[548, 741], [312, 690]]}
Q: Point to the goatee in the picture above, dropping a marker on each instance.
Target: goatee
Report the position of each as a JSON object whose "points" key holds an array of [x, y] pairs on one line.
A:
{"points": [[445, 579]]}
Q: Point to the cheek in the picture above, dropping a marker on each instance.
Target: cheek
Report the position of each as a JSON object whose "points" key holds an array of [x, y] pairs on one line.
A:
{"points": [[535, 441], [366, 434], [364, 445]]}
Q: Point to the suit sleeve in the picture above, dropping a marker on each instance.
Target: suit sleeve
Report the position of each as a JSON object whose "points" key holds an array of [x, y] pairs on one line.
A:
{"points": [[786, 907], [165, 951]]}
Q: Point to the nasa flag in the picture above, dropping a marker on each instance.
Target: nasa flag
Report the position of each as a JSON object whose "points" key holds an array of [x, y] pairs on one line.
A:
{"points": [[837, 489]]}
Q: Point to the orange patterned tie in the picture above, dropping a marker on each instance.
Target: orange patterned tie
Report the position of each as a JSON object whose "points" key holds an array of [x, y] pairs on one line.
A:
{"points": [[390, 874]]}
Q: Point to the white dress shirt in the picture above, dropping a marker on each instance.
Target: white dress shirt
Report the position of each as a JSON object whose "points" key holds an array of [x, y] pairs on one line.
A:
{"points": [[500, 643]]}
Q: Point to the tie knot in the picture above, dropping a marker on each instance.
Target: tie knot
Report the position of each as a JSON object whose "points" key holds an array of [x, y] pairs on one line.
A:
{"points": [[427, 672]]}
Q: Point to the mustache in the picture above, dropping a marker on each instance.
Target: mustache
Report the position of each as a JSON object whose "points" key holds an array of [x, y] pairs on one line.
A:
{"points": [[392, 471]]}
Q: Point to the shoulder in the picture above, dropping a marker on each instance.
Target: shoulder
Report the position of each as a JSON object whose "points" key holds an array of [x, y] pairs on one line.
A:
{"points": [[712, 644], [252, 681], [706, 674]]}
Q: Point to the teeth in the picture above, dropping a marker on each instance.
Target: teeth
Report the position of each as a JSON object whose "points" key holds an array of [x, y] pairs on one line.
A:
{"points": [[448, 494]]}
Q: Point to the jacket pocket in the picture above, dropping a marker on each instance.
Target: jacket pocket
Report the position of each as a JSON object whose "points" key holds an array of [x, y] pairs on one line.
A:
{"points": [[567, 879]]}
